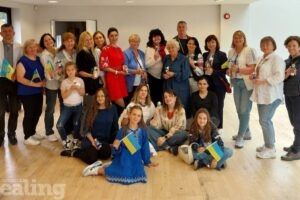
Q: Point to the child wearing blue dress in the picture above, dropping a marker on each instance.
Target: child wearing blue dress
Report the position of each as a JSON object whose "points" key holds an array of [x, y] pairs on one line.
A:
{"points": [[203, 133], [126, 168]]}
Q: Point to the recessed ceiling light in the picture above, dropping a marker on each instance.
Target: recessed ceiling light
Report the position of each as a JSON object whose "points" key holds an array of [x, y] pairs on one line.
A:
{"points": [[129, 1], [52, 1], [218, 1]]}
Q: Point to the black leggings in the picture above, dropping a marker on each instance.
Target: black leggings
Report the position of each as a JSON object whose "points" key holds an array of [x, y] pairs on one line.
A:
{"points": [[90, 154]]}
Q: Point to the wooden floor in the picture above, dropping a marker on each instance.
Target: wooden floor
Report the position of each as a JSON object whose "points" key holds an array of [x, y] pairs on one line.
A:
{"points": [[246, 177]]}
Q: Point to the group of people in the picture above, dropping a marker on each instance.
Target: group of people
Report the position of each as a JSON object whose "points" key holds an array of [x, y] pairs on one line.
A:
{"points": [[107, 94]]}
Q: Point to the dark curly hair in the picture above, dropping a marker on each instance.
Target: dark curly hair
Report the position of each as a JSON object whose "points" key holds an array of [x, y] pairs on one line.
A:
{"points": [[42, 45], [153, 33]]}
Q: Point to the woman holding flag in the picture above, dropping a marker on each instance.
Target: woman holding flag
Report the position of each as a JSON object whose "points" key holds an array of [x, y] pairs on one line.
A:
{"points": [[207, 145], [131, 153], [30, 78]]}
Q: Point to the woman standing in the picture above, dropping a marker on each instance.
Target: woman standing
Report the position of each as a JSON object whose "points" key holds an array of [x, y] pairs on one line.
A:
{"points": [[135, 61], [176, 72], [243, 60], [155, 54], [52, 75], [166, 131], [267, 93], [99, 40], [87, 70], [196, 62], [112, 63], [213, 59], [30, 77], [292, 95]]}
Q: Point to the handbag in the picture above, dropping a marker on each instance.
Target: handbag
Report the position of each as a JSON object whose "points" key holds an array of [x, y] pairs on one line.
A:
{"points": [[226, 85], [185, 152]]}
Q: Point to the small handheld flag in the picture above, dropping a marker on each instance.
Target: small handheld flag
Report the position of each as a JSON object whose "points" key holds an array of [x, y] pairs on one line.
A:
{"points": [[215, 150], [225, 65], [131, 143], [7, 70], [35, 75], [49, 67]]}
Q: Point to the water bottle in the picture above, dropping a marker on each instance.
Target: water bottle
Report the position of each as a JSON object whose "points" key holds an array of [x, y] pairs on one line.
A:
{"points": [[98, 144], [293, 67], [167, 68], [200, 61], [95, 72]]}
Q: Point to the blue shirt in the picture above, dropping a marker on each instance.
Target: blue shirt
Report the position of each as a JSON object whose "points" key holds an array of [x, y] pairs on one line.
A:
{"points": [[34, 71]]}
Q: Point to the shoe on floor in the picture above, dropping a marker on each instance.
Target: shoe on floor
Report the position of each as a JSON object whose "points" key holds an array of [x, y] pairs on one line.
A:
{"points": [[76, 144], [52, 138], [261, 148], [239, 143], [67, 144], [92, 170], [174, 150], [38, 136], [31, 141], [290, 156], [267, 153], [12, 139], [287, 149], [198, 164], [246, 137]]}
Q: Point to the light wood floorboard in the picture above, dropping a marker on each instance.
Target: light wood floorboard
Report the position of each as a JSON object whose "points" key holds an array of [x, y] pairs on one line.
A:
{"points": [[246, 177]]}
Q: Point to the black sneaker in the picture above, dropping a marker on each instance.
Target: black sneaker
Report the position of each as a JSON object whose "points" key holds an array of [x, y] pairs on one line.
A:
{"points": [[12, 139], [174, 150], [287, 149], [68, 153], [290, 156], [198, 164]]}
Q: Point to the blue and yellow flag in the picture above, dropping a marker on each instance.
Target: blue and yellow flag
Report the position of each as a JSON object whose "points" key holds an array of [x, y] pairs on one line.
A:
{"points": [[225, 65], [35, 75], [49, 67], [7, 70], [215, 150], [131, 143]]}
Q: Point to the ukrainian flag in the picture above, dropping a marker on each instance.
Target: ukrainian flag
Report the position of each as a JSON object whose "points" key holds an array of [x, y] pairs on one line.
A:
{"points": [[35, 75], [49, 67], [7, 70], [225, 65], [215, 150], [131, 143]]}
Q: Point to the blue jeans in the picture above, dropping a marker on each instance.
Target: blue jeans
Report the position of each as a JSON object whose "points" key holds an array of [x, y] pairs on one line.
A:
{"points": [[68, 112], [243, 105], [206, 158], [177, 139], [51, 96], [266, 113]]}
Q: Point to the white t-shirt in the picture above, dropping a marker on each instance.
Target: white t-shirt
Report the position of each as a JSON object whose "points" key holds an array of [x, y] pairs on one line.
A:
{"points": [[246, 57], [74, 98]]}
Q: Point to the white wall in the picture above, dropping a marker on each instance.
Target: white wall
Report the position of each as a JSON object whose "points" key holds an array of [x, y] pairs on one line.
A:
{"points": [[277, 18], [23, 20], [201, 21]]}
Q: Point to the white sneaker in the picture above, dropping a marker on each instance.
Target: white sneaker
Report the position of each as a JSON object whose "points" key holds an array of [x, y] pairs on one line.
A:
{"points": [[92, 170], [52, 138], [38, 136], [261, 148], [267, 153], [31, 141]]}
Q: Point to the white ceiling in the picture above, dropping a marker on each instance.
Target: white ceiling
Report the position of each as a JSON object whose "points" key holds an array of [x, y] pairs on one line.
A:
{"points": [[134, 2]]}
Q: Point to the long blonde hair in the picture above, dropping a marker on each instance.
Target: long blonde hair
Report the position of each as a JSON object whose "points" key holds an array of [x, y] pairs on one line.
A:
{"points": [[82, 39]]}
